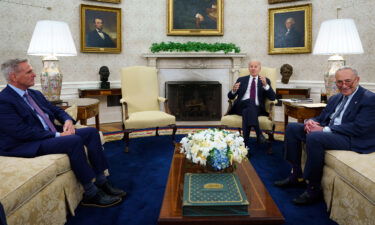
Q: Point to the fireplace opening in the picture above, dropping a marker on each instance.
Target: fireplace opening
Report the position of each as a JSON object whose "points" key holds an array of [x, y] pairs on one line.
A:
{"points": [[194, 100]]}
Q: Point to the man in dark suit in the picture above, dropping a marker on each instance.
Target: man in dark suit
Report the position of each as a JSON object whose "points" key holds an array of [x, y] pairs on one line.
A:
{"points": [[27, 131], [347, 123], [98, 38], [250, 97], [289, 37]]}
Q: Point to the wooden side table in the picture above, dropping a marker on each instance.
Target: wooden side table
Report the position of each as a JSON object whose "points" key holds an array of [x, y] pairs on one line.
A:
{"points": [[281, 92], [87, 108], [88, 92], [299, 112]]}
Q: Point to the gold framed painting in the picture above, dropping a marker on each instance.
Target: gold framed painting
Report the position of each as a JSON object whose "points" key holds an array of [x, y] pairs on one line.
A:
{"points": [[280, 1], [197, 18], [109, 1], [100, 29], [289, 30]]}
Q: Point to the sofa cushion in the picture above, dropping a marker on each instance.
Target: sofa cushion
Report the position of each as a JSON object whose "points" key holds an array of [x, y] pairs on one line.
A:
{"points": [[22, 178], [358, 170], [61, 161]]}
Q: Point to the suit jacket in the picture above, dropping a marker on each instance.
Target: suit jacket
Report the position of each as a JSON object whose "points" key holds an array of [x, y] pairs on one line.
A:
{"points": [[358, 120], [94, 40], [261, 94], [21, 131]]}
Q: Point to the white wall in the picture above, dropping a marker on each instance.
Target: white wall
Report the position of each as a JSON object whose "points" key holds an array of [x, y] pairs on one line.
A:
{"points": [[144, 22]]}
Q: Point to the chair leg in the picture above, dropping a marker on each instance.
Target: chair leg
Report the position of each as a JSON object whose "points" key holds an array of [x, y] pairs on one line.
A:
{"points": [[157, 131], [271, 139], [127, 139], [240, 130], [174, 130]]}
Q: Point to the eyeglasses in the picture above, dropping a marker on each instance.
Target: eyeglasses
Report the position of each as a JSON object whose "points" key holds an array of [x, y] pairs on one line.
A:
{"points": [[346, 82]]}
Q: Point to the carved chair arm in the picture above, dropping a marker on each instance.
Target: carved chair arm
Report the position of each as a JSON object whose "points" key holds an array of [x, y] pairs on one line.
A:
{"points": [[270, 108], [124, 108]]}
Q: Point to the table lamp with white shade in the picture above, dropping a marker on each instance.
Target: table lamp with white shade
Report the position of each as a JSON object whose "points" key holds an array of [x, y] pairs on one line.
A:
{"points": [[336, 37], [51, 39]]}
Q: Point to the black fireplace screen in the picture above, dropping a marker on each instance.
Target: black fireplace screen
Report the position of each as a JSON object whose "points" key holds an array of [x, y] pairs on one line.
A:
{"points": [[194, 100]]}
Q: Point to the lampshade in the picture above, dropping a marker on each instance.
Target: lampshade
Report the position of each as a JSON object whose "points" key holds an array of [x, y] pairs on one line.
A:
{"points": [[52, 38], [338, 36]]}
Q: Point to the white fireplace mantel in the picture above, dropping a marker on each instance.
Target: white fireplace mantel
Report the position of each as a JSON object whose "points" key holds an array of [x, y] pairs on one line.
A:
{"points": [[197, 60], [197, 66]]}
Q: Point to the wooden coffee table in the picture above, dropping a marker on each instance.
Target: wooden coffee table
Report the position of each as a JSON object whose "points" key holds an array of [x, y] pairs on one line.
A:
{"points": [[262, 208]]}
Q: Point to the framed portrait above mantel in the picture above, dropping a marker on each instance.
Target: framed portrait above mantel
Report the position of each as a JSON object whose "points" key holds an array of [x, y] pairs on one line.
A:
{"points": [[290, 29], [195, 17], [100, 29]]}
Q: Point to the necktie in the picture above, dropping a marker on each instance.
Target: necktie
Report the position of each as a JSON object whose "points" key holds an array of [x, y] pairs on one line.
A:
{"points": [[339, 110], [40, 112], [252, 90]]}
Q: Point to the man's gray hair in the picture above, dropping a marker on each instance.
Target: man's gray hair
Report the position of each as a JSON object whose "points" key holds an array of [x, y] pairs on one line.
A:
{"points": [[11, 66], [347, 68]]}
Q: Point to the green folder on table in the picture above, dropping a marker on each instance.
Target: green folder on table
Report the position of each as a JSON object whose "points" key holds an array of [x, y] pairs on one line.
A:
{"points": [[211, 194]]}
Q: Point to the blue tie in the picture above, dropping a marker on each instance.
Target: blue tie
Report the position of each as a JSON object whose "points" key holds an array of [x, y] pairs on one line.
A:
{"points": [[40, 112], [339, 110]]}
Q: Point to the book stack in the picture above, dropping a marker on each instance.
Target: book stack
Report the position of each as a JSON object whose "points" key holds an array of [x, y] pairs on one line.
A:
{"points": [[210, 194]]}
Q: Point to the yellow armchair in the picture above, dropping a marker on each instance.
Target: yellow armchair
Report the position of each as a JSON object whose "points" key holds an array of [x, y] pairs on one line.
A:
{"points": [[266, 123], [141, 102]]}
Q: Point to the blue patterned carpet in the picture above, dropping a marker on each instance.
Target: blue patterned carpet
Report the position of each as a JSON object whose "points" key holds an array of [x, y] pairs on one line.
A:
{"points": [[143, 174]]}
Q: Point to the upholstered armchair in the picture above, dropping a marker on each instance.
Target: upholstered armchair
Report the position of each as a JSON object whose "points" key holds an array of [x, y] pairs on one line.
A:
{"points": [[141, 102], [266, 123]]}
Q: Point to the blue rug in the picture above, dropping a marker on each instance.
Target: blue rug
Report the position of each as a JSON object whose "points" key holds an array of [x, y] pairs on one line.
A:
{"points": [[143, 174]]}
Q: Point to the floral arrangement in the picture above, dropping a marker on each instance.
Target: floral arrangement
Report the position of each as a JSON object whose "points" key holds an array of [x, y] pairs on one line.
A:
{"points": [[215, 147], [194, 47]]}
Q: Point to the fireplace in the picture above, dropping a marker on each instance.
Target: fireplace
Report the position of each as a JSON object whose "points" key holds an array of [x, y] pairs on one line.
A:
{"points": [[194, 100]]}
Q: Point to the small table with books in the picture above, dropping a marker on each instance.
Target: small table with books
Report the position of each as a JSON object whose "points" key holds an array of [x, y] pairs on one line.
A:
{"points": [[301, 110], [262, 209]]}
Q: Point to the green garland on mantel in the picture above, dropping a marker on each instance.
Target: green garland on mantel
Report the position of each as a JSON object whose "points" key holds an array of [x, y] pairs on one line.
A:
{"points": [[193, 47]]}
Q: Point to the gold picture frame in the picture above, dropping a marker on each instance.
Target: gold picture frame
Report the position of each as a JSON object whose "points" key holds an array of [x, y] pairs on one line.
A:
{"points": [[100, 29], [109, 1], [280, 1], [296, 39], [195, 18]]}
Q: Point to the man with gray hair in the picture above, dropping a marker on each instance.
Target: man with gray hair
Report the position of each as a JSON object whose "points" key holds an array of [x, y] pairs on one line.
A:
{"points": [[347, 123], [27, 131]]}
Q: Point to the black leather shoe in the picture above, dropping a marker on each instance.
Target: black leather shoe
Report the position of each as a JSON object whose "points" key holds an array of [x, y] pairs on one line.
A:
{"points": [[307, 198], [290, 182], [261, 140], [101, 199], [110, 190]]}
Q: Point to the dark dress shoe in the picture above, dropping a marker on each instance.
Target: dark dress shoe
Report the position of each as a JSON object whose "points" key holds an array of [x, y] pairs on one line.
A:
{"points": [[110, 190], [308, 197], [290, 182], [101, 199], [261, 140]]}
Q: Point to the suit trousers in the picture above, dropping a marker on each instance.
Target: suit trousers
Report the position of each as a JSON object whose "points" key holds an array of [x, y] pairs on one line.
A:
{"points": [[316, 144], [249, 112], [73, 146]]}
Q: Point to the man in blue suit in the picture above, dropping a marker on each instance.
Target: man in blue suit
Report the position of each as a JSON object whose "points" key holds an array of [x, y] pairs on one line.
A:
{"points": [[250, 97], [347, 123], [27, 131]]}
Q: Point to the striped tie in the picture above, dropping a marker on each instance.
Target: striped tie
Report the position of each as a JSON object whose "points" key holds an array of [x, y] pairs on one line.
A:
{"points": [[40, 112], [339, 110]]}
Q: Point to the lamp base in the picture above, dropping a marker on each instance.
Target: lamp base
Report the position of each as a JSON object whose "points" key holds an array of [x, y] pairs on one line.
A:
{"points": [[334, 63], [51, 79]]}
